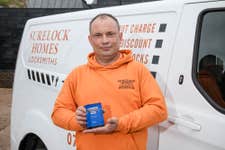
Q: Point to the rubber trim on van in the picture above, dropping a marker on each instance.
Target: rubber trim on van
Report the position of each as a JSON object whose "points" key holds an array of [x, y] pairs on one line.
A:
{"points": [[153, 74]]}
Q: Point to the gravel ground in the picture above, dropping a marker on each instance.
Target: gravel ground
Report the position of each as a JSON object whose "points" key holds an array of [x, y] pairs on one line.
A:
{"points": [[5, 106]]}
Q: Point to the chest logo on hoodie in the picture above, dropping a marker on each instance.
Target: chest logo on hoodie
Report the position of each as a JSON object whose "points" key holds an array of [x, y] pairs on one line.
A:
{"points": [[126, 84]]}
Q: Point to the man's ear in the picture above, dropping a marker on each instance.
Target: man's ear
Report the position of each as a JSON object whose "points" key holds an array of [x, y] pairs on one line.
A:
{"points": [[90, 39], [121, 36]]}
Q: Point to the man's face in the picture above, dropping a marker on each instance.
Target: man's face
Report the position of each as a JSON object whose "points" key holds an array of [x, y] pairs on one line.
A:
{"points": [[105, 37]]}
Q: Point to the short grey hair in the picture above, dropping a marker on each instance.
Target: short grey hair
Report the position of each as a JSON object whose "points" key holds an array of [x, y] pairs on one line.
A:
{"points": [[103, 16]]}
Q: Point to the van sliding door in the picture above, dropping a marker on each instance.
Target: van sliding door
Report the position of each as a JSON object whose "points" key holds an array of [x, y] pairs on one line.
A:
{"points": [[195, 91]]}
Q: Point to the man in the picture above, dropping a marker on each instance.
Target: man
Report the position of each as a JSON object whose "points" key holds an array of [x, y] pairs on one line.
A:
{"points": [[131, 98], [210, 78]]}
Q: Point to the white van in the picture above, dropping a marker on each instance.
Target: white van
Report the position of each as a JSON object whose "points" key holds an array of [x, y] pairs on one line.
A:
{"points": [[173, 38]]}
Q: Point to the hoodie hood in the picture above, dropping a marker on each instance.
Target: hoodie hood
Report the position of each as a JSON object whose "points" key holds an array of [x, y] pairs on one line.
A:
{"points": [[124, 58]]}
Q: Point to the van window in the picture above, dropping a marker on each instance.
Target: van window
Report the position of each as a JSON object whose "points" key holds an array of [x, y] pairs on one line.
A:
{"points": [[211, 57]]}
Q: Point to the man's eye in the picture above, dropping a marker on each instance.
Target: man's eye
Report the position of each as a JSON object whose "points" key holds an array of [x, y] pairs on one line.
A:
{"points": [[110, 34], [97, 35]]}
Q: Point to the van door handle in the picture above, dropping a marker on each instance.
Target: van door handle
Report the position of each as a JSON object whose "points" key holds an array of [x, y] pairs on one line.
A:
{"points": [[184, 122]]}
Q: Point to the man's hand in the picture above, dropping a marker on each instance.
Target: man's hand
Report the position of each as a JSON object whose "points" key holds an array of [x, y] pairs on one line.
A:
{"points": [[81, 116], [109, 127]]}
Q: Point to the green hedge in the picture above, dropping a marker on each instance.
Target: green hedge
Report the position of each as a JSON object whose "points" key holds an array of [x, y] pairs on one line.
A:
{"points": [[13, 3], [4, 2]]}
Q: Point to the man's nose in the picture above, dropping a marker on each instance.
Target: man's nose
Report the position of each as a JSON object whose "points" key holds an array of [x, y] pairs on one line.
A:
{"points": [[105, 39]]}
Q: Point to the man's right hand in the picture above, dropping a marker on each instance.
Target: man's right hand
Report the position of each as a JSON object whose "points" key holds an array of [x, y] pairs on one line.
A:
{"points": [[109, 127], [81, 116]]}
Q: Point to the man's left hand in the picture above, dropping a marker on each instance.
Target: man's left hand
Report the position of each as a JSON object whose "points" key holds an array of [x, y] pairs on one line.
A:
{"points": [[109, 127]]}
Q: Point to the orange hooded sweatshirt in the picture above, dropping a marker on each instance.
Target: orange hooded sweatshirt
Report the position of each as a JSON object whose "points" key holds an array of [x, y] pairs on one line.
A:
{"points": [[126, 90]]}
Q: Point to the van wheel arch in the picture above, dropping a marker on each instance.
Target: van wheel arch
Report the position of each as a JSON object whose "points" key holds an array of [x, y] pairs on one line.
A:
{"points": [[32, 142]]}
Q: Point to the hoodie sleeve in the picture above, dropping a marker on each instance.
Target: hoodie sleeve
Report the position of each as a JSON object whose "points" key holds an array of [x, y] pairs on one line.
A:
{"points": [[153, 109], [63, 114]]}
